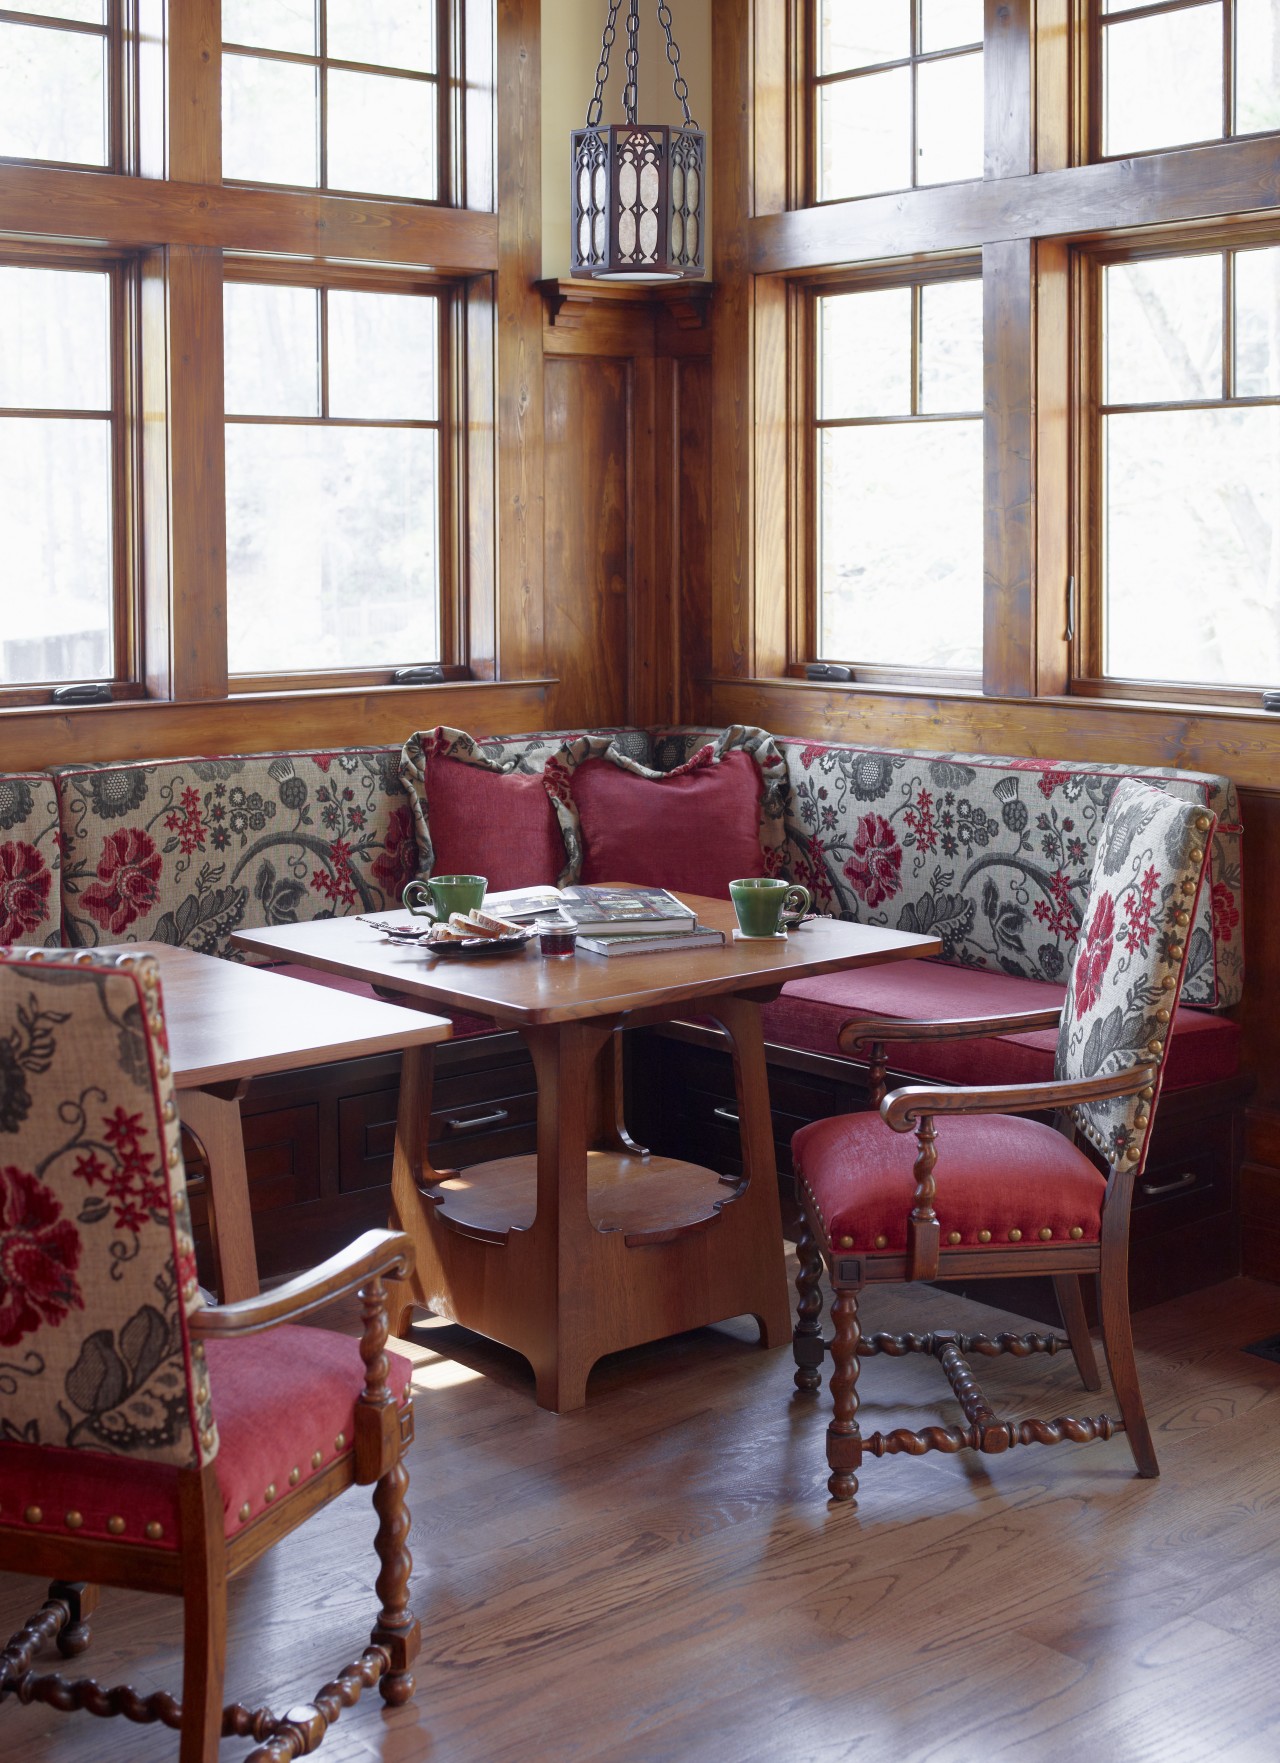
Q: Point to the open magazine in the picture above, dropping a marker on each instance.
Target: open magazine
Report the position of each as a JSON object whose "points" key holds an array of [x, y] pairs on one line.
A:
{"points": [[635, 911]]}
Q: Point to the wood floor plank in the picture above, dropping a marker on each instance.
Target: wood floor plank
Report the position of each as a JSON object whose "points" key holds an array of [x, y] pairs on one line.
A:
{"points": [[658, 1577]]}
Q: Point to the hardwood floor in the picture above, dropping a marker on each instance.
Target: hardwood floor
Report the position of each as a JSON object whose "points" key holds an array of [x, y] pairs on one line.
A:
{"points": [[658, 1577]]}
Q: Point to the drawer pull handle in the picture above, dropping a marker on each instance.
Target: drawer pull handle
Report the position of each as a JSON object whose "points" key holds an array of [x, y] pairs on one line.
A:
{"points": [[1184, 1180], [476, 1121], [728, 1114]]}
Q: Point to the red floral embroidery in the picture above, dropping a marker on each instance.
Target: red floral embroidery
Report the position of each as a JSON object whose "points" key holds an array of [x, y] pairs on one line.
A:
{"points": [[1060, 914], [1048, 778], [24, 890], [188, 822], [920, 820], [1095, 956], [809, 754], [875, 866], [135, 1188], [323, 760], [394, 866], [1137, 932], [556, 778], [695, 762], [1226, 915], [128, 880], [39, 1253], [338, 886]]}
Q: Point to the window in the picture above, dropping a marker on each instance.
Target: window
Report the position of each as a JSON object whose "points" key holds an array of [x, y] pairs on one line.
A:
{"points": [[898, 95], [333, 478], [1187, 445], [898, 475], [64, 472], [1174, 73], [332, 94], [56, 70]]}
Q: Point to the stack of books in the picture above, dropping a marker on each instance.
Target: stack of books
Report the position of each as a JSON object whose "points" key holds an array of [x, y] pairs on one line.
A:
{"points": [[613, 921]]}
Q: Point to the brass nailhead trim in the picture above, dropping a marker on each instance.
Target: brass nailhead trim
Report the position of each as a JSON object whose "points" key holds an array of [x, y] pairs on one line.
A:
{"points": [[33, 1515], [1046, 1235], [1133, 1153], [1154, 1046], [293, 1477], [1196, 855], [1179, 918], [74, 1520], [1162, 1015], [116, 1526], [984, 1236], [1077, 1232], [245, 1513], [1015, 1236], [846, 1242], [155, 1531], [953, 1236], [1175, 950], [1202, 823], [882, 1242], [270, 1493], [317, 1458]]}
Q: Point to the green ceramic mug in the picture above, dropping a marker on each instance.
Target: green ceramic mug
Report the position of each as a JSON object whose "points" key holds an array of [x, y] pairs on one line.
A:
{"points": [[760, 901], [440, 895]]}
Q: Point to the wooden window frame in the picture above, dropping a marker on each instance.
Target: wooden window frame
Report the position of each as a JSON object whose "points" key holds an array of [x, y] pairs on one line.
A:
{"points": [[451, 500], [804, 473], [120, 39], [125, 680], [814, 81], [1088, 678], [442, 80], [1100, 23]]}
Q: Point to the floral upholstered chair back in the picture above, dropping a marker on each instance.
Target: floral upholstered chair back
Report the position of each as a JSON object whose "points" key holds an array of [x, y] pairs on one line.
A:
{"points": [[1131, 957], [97, 1268]]}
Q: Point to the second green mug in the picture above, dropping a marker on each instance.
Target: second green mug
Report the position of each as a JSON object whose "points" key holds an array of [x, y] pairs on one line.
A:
{"points": [[760, 901], [440, 895]]}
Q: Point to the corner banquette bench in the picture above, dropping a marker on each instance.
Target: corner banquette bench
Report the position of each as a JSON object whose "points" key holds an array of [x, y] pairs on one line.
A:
{"points": [[991, 854]]}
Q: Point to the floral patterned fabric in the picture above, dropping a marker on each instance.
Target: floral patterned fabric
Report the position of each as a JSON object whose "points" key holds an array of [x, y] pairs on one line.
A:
{"points": [[97, 1263], [1131, 955], [30, 902], [187, 851], [993, 855], [716, 745]]}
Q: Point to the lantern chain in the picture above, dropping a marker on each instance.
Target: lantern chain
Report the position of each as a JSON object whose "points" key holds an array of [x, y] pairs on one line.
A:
{"points": [[631, 91], [680, 85], [596, 107]]}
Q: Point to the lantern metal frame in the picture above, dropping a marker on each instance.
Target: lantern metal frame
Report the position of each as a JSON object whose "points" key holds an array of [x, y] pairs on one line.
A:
{"points": [[637, 189]]}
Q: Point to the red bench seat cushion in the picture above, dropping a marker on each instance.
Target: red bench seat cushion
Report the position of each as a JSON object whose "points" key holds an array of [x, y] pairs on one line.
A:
{"points": [[809, 1013], [1003, 1183]]}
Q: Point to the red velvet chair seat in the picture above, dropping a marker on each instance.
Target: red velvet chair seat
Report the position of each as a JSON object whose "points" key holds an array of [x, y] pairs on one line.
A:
{"points": [[810, 1012], [266, 1435], [996, 1175]]}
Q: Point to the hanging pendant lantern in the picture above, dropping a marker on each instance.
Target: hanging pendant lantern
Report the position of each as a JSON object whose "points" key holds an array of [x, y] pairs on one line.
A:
{"points": [[636, 201]]}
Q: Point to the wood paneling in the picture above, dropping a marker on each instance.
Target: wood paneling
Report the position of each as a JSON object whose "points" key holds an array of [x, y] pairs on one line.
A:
{"points": [[138, 212], [1009, 462], [691, 661], [588, 562], [1008, 91], [1231, 178], [322, 720]]}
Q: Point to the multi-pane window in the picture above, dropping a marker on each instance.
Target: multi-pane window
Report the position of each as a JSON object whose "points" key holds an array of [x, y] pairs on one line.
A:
{"points": [[898, 475], [333, 478], [1174, 73], [898, 95], [1188, 436], [59, 468], [332, 95], [55, 81]]}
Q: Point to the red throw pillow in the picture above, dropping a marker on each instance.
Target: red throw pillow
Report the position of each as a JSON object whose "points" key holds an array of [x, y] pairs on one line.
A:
{"points": [[694, 830], [499, 824]]}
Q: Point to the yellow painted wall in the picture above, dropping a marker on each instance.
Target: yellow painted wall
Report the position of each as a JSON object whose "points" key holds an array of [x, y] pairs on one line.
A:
{"points": [[571, 31]]}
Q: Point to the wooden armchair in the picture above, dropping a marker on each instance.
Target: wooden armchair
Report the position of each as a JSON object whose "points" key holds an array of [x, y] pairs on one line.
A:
{"points": [[988, 1193], [147, 1440]]}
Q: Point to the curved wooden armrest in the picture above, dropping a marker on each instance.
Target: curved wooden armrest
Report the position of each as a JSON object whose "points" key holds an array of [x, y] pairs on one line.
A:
{"points": [[862, 1032], [904, 1108], [375, 1255]]}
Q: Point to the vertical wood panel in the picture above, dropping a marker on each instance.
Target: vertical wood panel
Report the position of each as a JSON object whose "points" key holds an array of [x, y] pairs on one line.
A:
{"points": [[1009, 535], [1007, 89], [1053, 465], [587, 405], [692, 660], [184, 475], [194, 107], [478, 391], [519, 343]]}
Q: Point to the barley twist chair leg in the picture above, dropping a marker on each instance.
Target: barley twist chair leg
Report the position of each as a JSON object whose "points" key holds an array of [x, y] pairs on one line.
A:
{"points": [[844, 1438], [807, 1344]]}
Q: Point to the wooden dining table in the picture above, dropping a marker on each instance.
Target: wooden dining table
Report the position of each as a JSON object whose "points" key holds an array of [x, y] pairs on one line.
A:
{"points": [[227, 1024], [592, 1244]]}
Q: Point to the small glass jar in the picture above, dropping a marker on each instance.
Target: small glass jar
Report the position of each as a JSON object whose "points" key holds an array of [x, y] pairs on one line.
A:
{"points": [[556, 937]]}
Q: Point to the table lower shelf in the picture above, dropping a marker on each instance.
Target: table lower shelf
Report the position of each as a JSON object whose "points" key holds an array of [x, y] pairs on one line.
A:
{"points": [[649, 1199]]}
